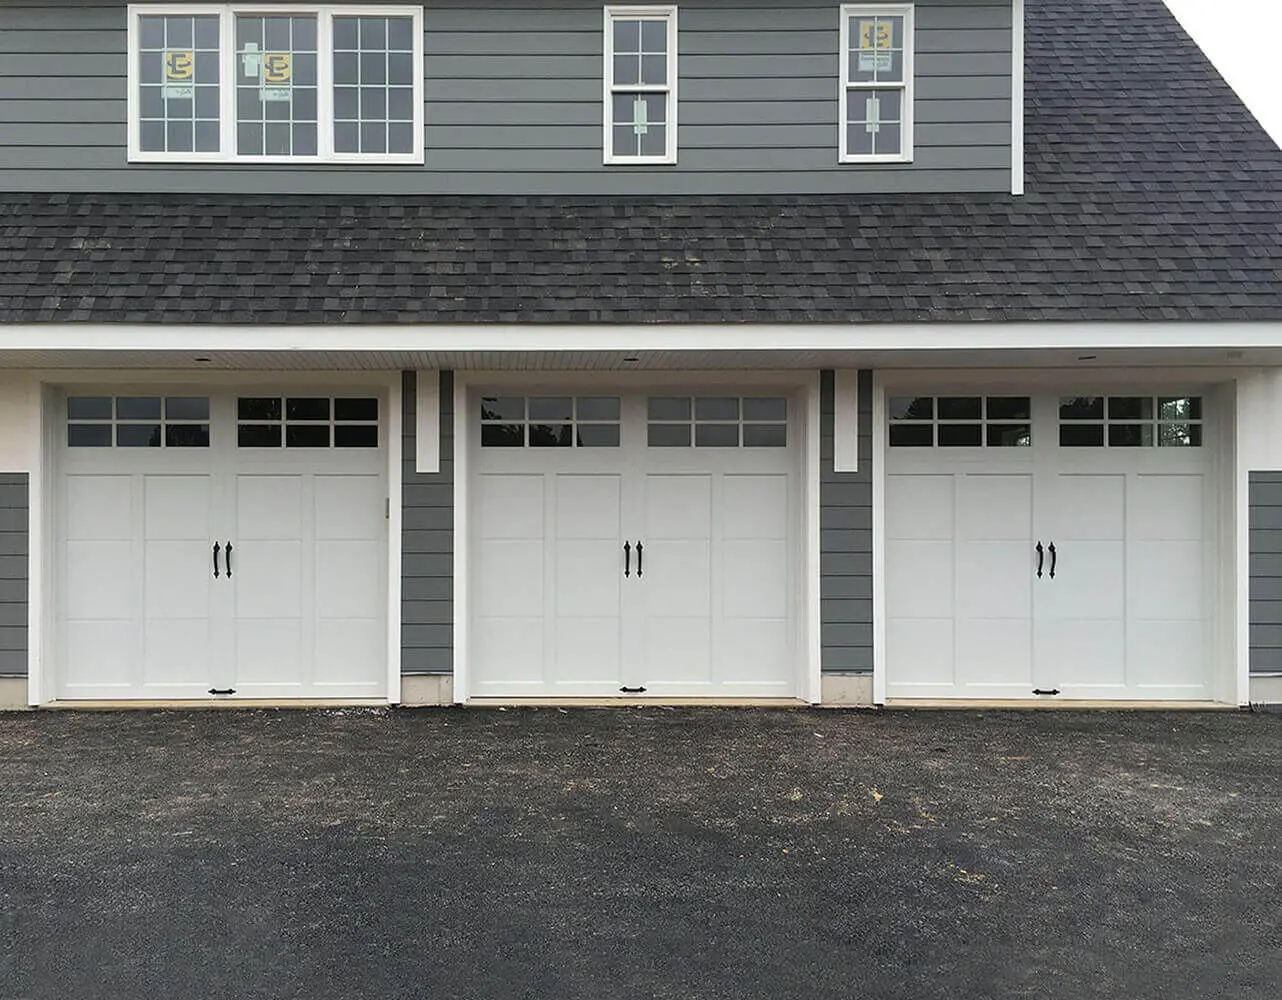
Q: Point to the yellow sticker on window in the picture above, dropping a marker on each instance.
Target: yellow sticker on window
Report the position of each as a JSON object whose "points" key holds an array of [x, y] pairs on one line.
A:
{"points": [[179, 65], [276, 67], [875, 38]]}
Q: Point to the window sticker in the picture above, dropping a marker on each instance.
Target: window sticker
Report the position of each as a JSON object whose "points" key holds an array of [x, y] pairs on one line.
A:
{"points": [[180, 70], [874, 46], [272, 70]]}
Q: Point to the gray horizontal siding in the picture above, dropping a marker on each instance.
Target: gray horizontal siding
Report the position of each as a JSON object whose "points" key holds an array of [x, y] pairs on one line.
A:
{"points": [[427, 542], [1264, 500], [845, 541], [14, 522], [513, 105]]}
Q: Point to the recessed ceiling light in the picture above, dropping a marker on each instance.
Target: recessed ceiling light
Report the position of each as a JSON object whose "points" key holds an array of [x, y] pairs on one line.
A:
{"points": [[630, 360], [1087, 357], [202, 361]]}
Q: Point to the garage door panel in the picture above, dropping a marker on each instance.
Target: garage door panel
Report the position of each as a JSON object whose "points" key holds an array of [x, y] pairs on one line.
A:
{"points": [[177, 508], [1168, 507], [678, 578], [995, 652], [97, 581], [754, 507], [349, 507], [677, 651], [587, 651], [919, 507], [919, 579], [177, 653], [98, 507], [1090, 580], [588, 577], [177, 579], [510, 505], [922, 650], [994, 579], [268, 579], [994, 507], [270, 651], [678, 507], [345, 648], [756, 577], [1166, 654], [268, 507], [99, 654], [1082, 651], [760, 650], [1089, 508], [509, 577], [588, 506], [508, 651], [1174, 593], [349, 579]]}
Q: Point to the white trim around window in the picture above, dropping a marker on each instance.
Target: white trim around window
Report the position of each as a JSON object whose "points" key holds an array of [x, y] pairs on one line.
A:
{"points": [[875, 93], [190, 114], [636, 71]]}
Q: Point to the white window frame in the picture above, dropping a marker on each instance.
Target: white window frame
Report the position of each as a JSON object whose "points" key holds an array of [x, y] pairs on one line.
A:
{"points": [[653, 13], [227, 13], [849, 12]]}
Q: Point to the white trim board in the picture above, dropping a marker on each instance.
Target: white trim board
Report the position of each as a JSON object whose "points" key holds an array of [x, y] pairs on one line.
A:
{"points": [[427, 421], [845, 420], [1017, 98], [904, 338]]}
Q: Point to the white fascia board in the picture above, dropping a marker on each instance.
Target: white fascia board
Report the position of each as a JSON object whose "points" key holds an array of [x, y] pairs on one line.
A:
{"points": [[676, 337]]}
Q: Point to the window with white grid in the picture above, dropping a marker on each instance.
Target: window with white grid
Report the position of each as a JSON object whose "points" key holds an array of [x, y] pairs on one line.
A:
{"points": [[876, 98], [641, 84], [275, 84]]}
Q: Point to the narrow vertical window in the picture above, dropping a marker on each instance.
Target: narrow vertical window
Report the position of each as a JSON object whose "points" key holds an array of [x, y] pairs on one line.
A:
{"points": [[876, 95], [640, 85]]}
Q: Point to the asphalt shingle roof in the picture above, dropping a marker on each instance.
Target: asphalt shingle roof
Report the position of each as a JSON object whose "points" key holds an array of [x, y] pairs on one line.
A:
{"points": [[1152, 195]]}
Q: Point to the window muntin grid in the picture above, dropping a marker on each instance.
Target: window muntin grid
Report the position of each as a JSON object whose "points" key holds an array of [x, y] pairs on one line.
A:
{"points": [[1130, 422], [550, 421], [280, 99], [307, 422], [179, 83], [137, 421], [374, 73], [876, 83], [640, 84], [717, 422], [960, 422]]}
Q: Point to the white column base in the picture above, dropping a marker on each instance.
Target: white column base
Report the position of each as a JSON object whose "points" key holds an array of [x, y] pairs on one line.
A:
{"points": [[13, 694], [1266, 690]]}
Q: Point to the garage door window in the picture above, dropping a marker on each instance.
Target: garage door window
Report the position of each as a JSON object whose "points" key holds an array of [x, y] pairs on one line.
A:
{"points": [[306, 422], [1130, 422], [717, 422], [550, 421], [960, 422], [138, 421]]}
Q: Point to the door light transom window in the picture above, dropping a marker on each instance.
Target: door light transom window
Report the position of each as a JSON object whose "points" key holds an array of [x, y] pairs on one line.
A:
{"points": [[1130, 422], [550, 421], [306, 422], [138, 421], [223, 83], [717, 422], [960, 421]]}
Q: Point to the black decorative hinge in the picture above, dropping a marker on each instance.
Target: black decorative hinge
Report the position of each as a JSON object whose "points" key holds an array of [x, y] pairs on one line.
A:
{"points": [[628, 690], [222, 690], [1040, 691]]}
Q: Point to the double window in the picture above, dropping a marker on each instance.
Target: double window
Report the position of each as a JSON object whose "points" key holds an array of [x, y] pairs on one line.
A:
{"points": [[276, 84], [641, 84], [876, 94]]}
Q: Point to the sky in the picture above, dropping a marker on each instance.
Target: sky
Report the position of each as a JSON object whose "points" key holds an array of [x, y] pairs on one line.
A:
{"points": [[1241, 37]]}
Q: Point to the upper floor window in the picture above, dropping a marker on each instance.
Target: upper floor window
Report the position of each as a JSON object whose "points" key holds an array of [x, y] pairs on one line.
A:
{"points": [[876, 83], [640, 85], [274, 84]]}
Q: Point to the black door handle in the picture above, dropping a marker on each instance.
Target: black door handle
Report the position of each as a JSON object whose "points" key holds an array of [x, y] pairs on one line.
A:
{"points": [[229, 561], [638, 560], [1041, 556], [1051, 550], [216, 548], [627, 558]]}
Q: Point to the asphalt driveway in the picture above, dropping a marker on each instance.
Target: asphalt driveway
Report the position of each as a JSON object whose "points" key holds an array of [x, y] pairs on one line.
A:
{"points": [[640, 853]]}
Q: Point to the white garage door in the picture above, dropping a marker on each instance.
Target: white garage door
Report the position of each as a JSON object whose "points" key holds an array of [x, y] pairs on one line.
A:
{"points": [[221, 545], [1048, 546], [634, 545]]}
